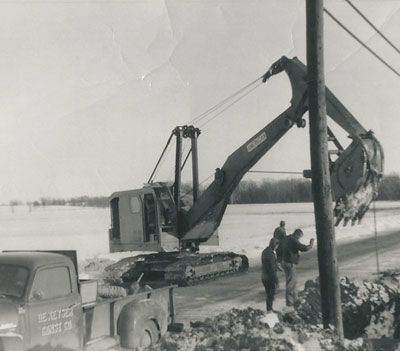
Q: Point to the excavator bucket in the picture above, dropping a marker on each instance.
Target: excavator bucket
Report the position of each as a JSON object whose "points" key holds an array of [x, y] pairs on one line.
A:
{"points": [[356, 173], [355, 179]]}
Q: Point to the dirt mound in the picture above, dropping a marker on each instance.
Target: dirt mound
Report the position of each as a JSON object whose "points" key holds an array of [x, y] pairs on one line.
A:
{"points": [[370, 309], [371, 318], [247, 330]]}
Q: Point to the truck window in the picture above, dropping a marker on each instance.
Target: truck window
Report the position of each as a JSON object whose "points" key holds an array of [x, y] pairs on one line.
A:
{"points": [[13, 280], [50, 283]]}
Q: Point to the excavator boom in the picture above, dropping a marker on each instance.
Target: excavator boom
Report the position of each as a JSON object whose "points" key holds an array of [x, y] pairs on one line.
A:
{"points": [[355, 174], [148, 218]]}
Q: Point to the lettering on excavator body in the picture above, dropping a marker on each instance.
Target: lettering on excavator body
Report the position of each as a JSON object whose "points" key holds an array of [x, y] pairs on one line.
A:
{"points": [[256, 141]]}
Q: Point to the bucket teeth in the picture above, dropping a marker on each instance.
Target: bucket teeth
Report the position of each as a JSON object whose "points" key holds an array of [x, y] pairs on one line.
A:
{"points": [[352, 207]]}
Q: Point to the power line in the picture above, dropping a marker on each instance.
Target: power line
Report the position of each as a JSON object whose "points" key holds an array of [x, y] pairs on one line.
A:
{"points": [[373, 26], [362, 43]]}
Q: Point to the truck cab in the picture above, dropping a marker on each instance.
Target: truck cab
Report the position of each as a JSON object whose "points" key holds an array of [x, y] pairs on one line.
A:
{"points": [[43, 306]]}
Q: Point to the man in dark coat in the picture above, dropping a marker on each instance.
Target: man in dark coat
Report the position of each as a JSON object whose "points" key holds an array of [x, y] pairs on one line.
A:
{"points": [[280, 232], [269, 275], [291, 247]]}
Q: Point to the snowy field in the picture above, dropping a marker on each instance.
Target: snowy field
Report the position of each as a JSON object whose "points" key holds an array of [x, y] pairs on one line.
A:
{"points": [[248, 228], [244, 229]]}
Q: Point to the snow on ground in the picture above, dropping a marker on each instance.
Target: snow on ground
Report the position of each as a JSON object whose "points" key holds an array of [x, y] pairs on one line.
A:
{"points": [[57, 227], [245, 228]]}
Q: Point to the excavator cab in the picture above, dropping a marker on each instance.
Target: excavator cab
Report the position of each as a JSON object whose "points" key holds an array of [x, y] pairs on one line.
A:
{"points": [[143, 219]]}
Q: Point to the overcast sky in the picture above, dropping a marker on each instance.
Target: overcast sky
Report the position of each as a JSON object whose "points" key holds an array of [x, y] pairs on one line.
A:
{"points": [[90, 91]]}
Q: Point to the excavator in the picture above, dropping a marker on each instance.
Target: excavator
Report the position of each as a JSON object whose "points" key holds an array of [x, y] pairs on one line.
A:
{"points": [[158, 218]]}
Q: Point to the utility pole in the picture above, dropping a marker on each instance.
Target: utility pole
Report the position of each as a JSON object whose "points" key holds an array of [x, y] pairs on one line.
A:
{"points": [[321, 184]]}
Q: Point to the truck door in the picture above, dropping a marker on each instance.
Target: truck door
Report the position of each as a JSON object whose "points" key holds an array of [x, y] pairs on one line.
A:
{"points": [[54, 310]]}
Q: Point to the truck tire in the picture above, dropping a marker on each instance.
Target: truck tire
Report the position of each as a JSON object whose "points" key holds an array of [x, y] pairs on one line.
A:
{"points": [[141, 322], [150, 334]]}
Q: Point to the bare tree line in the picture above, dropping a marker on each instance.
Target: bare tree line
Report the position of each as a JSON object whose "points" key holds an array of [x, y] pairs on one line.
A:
{"points": [[299, 190], [247, 192]]}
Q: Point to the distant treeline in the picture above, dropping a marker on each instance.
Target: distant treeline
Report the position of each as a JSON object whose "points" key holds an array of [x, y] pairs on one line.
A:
{"points": [[389, 188], [272, 191], [299, 190], [247, 192], [92, 201]]}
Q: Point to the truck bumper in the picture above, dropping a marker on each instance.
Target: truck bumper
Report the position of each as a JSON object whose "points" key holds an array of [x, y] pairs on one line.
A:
{"points": [[11, 343]]}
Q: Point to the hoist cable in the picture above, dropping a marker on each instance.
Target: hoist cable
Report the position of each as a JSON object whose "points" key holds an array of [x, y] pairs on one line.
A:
{"points": [[228, 106], [373, 26], [213, 109], [221, 103], [276, 172]]}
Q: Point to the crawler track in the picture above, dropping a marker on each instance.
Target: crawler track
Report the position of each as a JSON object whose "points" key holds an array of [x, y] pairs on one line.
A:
{"points": [[211, 277], [182, 269]]}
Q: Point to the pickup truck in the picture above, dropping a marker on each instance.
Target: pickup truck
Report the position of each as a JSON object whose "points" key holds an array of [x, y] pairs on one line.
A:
{"points": [[44, 306]]}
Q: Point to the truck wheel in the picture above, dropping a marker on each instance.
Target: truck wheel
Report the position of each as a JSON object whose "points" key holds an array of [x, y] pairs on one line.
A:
{"points": [[149, 334]]}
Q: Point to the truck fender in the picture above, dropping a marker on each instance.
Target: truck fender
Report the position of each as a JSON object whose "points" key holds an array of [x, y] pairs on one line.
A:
{"points": [[141, 321]]}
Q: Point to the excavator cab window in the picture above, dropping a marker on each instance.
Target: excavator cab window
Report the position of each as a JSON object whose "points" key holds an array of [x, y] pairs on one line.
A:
{"points": [[150, 217], [167, 209], [115, 233]]}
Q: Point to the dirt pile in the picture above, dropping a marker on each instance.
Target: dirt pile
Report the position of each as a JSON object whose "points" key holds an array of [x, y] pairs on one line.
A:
{"points": [[107, 270], [370, 309], [246, 330]]}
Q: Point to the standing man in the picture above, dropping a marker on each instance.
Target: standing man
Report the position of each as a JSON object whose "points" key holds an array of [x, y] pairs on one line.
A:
{"points": [[290, 258], [280, 232], [269, 275]]}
